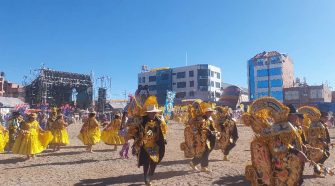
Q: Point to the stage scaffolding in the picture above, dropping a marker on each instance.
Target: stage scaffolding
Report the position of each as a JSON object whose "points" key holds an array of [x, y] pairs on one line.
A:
{"points": [[56, 88]]}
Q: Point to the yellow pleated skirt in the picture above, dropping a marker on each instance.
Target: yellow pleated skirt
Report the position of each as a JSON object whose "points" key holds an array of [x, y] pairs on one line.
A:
{"points": [[45, 138], [4, 137], [61, 137], [111, 137], [31, 143], [90, 137]]}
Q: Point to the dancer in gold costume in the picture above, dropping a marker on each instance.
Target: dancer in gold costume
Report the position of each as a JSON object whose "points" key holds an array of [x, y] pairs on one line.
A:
{"points": [[226, 126], [276, 150], [148, 129], [199, 135]]}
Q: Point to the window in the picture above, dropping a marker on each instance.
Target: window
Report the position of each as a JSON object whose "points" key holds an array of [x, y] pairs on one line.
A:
{"points": [[212, 73], [143, 79], [217, 94], [212, 83], [191, 83], [139, 80], [152, 78], [291, 95], [203, 66], [262, 94], [203, 72], [262, 84], [277, 94], [272, 71], [203, 82], [181, 85], [218, 75], [275, 59], [191, 94], [217, 85], [203, 88], [191, 73], [165, 76], [316, 93], [180, 95], [180, 75], [275, 71], [152, 87], [276, 83], [262, 73], [259, 62]]}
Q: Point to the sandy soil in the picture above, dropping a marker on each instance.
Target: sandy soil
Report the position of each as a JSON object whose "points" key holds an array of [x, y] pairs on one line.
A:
{"points": [[73, 166]]}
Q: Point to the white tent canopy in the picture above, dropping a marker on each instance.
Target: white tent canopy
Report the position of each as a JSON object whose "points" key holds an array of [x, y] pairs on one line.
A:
{"points": [[7, 102]]}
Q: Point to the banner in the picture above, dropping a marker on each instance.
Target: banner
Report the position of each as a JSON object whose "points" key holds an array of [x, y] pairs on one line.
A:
{"points": [[170, 95]]}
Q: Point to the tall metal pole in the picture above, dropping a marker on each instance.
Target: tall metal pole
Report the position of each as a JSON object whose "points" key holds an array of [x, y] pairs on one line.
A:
{"points": [[186, 59]]}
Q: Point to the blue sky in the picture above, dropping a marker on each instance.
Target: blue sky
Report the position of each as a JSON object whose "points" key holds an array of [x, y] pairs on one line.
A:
{"points": [[115, 37]]}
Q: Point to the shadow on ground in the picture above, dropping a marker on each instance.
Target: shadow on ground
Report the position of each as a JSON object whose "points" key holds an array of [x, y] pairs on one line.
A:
{"points": [[306, 177], [60, 153], [175, 162], [13, 160], [238, 180], [73, 147], [134, 179], [179, 162], [62, 163], [57, 163], [105, 150]]}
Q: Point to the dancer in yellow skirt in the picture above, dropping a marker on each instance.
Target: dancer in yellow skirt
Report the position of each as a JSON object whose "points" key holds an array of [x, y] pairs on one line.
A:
{"points": [[31, 139], [52, 118], [58, 130], [13, 128], [4, 137], [90, 132], [110, 135]]}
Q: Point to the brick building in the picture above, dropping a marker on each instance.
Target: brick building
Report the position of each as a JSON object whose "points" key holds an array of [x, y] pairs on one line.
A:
{"points": [[9, 89], [303, 94]]}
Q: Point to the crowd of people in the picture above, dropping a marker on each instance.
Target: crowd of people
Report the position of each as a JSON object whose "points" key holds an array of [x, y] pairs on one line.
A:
{"points": [[285, 137]]}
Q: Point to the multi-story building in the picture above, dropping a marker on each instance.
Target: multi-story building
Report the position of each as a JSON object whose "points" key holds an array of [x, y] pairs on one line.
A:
{"points": [[233, 96], [2, 82], [201, 81], [9, 89], [333, 96], [14, 90], [304, 94], [268, 74]]}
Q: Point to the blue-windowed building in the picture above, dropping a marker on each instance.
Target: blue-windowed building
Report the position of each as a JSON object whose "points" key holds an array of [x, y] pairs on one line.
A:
{"points": [[268, 74], [201, 81]]}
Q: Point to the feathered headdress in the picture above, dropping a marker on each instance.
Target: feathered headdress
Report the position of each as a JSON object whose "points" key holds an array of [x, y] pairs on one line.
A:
{"points": [[261, 110], [310, 112], [150, 103]]}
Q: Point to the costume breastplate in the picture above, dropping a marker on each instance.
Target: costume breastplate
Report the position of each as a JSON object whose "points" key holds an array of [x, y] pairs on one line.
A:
{"points": [[149, 140], [150, 134]]}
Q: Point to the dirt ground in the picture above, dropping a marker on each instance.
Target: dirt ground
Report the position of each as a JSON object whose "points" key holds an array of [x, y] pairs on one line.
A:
{"points": [[73, 166]]}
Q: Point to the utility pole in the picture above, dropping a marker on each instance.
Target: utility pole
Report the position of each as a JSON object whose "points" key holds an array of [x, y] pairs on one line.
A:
{"points": [[186, 60], [125, 94]]}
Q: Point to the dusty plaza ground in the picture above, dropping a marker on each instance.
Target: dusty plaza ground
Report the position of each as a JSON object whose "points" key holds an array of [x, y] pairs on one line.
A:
{"points": [[73, 166]]}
